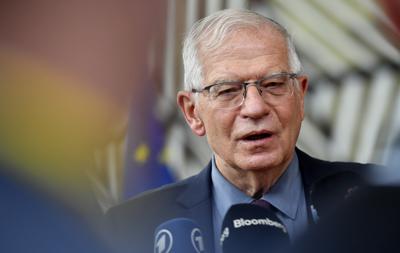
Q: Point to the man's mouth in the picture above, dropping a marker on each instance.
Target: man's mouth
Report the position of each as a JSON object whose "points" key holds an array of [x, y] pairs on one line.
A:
{"points": [[257, 136]]}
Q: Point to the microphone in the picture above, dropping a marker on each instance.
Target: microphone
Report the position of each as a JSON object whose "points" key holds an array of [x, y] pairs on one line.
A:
{"points": [[331, 191], [179, 235], [250, 228]]}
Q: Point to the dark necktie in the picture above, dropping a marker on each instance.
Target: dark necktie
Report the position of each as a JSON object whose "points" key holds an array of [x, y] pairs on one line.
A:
{"points": [[263, 203]]}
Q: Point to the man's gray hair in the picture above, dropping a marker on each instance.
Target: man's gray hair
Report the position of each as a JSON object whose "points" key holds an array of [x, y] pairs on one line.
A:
{"points": [[209, 33]]}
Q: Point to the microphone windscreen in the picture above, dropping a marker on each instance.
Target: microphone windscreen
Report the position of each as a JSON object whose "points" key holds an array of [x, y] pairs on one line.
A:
{"points": [[251, 228], [179, 235]]}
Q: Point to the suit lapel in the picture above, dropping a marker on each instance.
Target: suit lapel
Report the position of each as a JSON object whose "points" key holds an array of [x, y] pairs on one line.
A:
{"points": [[196, 200], [311, 170]]}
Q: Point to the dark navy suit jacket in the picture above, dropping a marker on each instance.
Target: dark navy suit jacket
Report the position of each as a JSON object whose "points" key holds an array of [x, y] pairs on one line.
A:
{"points": [[134, 222]]}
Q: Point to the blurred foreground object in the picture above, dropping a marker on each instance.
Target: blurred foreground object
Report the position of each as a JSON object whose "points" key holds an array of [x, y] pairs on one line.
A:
{"points": [[34, 221], [68, 70], [49, 125], [367, 223]]}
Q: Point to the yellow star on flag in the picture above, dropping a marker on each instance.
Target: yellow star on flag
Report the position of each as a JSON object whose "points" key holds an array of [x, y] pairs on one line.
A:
{"points": [[142, 153]]}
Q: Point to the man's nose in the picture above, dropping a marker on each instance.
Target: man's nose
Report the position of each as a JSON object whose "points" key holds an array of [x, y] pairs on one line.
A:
{"points": [[254, 105]]}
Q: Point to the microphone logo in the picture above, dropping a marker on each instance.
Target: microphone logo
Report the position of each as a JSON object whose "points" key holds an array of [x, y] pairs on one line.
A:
{"points": [[224, 235], [164, 241], [197, 240]]}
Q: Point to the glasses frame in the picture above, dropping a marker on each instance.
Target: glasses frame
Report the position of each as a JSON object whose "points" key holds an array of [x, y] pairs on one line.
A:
{"points": [[246, 84]]}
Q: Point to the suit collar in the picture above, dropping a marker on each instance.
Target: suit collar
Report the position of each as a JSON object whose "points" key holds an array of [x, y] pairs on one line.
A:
{"points": [[313, 169], [309, 168], [196, 200], [198, 190]]}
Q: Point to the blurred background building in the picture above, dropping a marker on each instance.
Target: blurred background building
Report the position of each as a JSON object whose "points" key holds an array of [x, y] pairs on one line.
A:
{"points": [[349, 49]]}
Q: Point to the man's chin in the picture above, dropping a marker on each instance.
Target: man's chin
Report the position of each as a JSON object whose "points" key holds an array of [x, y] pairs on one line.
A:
{"points": [[260, 162]]}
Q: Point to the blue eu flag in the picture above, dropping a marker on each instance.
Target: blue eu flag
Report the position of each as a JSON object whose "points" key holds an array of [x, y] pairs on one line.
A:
{"points": [[145, 157]]}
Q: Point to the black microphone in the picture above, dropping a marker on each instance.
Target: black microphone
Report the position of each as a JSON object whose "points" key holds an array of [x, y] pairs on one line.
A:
{"points": [[250, 228], [179, 235], [330, 192]]}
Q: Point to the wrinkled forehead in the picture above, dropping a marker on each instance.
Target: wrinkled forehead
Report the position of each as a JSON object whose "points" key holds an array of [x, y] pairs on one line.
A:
{"points": [[245, 45]]}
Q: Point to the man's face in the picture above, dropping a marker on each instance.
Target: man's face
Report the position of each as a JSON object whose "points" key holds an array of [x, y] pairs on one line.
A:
{"points": [[256, 135]]}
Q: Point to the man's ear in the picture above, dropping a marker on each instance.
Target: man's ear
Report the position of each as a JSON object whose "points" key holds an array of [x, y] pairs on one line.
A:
{"points": [[190, 111], [303, 87]]}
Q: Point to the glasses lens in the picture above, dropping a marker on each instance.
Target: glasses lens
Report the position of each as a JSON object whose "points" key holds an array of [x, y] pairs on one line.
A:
{"points": [[227, 95], [276, 89], [276, 86]]}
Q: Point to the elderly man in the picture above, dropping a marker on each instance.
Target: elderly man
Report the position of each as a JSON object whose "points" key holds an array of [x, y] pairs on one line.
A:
{"points": [[244, 91]]}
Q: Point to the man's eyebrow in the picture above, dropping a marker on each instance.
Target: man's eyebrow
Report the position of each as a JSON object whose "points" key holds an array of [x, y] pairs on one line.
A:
{"points": [[273, 73], [226, 80], [238, 79], [231, 80]]}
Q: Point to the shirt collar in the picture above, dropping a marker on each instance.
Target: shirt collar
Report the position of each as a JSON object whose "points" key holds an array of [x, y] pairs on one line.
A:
{"points": [[284, 195], [224, 192], [286, 192]]}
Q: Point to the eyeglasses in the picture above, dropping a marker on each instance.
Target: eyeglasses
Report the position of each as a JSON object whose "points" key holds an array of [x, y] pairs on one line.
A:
{"points": [[273, 89]]}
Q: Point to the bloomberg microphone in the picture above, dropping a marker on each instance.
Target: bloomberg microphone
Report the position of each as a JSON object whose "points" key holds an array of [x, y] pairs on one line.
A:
{"points": [[179, 235], [250, 228]]}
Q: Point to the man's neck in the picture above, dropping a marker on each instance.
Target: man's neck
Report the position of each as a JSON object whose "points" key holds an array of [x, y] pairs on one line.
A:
{"points": [[253, 183]]}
